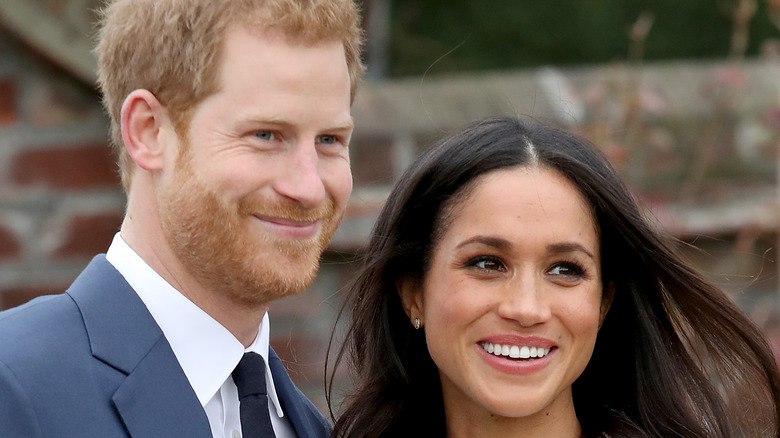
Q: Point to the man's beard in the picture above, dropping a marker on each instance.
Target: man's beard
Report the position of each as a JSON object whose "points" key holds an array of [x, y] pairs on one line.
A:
{"points": [[222, 248]]}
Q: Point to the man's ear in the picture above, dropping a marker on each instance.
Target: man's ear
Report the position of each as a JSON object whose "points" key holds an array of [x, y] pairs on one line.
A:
{"points": [[410, 290], [608, 294], [143, 116]]}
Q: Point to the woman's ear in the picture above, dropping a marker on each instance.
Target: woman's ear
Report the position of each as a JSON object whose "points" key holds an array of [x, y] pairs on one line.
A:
{"points": [[143, 116], [410, 291], [608, 294]]}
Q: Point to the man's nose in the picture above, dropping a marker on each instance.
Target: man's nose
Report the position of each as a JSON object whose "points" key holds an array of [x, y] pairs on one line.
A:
{"points": [[301, 179]]}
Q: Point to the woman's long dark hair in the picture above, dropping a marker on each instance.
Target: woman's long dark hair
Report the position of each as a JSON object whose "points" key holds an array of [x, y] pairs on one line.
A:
{"points": [[675, 357]]}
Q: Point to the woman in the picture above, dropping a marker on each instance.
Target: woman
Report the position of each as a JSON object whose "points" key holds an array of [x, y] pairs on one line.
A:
{"points": [[511, 287]]}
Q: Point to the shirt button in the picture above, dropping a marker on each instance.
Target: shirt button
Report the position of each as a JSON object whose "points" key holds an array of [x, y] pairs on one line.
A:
{"points": [[236, 434]]}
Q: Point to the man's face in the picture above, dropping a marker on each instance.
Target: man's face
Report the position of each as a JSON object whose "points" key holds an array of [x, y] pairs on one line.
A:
{"points": [[263, 177]]}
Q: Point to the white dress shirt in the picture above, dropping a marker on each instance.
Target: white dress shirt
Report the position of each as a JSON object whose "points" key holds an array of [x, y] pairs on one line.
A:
{"points": [[206, 350]]}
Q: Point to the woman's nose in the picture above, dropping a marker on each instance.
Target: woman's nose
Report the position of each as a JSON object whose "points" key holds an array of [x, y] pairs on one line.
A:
{"points": [[524, 302]]}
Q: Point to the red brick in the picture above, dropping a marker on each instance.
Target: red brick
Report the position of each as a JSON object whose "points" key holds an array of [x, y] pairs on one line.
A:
{"points": [[303, 354], [373, 160], [9, 245], [52, 7], [13, 297], [56, 103], [75, 167], [9, 101], [304, 304], [87, 235]]}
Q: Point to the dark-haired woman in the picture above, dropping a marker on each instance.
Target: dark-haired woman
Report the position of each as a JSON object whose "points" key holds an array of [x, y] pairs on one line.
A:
{"points": [[511, 287]]}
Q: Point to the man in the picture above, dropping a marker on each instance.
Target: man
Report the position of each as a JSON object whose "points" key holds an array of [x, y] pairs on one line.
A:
{"points": [[232, 120]]}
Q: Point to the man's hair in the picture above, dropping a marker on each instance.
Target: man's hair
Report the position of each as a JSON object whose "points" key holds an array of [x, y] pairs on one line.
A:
{"points": [[173, 48]]}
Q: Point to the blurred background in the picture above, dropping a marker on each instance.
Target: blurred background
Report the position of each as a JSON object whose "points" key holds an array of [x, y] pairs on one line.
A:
{"points": [[684, 97]]}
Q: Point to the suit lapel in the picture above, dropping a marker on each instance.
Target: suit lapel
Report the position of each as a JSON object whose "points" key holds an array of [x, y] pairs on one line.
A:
{"points": [[153, 404], [305, 418], [155, 399]]}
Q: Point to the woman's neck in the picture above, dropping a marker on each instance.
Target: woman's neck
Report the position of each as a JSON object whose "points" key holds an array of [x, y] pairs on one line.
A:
{"points": [[552, 423], [499, 429]]}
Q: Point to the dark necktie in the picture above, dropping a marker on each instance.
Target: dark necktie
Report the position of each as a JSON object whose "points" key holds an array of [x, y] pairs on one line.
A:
{"points": [[249, 377]]}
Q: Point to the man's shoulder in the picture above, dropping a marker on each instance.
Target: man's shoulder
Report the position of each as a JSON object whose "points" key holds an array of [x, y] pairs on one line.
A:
{"points": [[37, 315], [46, 325]]}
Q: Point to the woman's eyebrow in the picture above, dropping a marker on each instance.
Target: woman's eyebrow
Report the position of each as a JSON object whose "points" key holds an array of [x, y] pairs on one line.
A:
{"points": [[562, 247], [495, 242], [501, 243]]}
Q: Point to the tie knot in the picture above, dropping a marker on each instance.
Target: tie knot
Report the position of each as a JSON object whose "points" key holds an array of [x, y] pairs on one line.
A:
{"points": [[249, 375]]}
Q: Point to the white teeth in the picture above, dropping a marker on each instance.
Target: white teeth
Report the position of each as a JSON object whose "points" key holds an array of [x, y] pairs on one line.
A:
{"points": [[515, 351]]}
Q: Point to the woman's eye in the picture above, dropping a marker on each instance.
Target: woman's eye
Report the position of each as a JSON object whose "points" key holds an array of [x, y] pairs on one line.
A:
{"points": [[487, 263], [264, 135], [567, 270]]}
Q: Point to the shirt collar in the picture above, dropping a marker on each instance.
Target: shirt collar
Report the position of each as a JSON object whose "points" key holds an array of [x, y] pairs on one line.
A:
{"points": [[207, 352]]}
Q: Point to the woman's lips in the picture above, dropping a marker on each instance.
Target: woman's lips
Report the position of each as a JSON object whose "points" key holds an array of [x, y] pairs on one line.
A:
{"points": [[517, 354]]}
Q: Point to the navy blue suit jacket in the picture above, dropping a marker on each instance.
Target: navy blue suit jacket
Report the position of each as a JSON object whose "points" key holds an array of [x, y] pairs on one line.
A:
{"points": [[92, 362]]}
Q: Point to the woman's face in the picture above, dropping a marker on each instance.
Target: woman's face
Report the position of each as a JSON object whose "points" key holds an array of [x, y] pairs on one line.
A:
{"points": [[513, 299]]}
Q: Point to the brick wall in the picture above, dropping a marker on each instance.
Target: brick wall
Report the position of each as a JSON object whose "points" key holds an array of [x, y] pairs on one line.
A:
{"points": [[59, 197]]}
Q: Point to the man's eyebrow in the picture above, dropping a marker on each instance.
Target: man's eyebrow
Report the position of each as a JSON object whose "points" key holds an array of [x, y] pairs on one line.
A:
{"points": [[341, 125], [346, 125]]}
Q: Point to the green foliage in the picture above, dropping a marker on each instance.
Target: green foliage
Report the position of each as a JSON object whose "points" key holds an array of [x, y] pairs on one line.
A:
{"points": [[468, 35]]}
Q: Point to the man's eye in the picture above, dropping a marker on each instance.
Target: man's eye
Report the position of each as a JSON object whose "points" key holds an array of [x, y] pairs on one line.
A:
{"points": [[327, 139], [264, 135]]}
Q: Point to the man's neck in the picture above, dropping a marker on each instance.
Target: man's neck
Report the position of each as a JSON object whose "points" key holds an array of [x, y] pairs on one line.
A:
{"points": [[240, 319]]}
